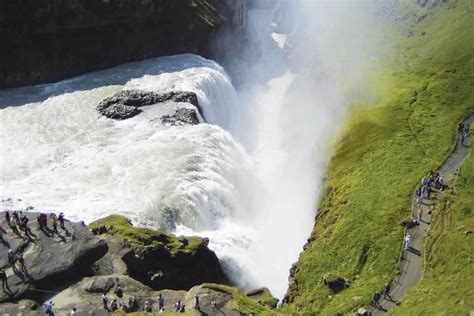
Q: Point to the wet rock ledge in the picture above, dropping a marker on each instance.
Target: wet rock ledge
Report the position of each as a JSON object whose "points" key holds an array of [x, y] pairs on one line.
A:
{"points": [[127, 103]]}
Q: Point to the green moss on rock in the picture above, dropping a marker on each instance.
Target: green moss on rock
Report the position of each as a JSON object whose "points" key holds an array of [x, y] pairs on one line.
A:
{"points": [[122, 227]]}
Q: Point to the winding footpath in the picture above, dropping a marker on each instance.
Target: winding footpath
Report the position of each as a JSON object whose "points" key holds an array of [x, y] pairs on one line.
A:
{"points": [[411, 263]]}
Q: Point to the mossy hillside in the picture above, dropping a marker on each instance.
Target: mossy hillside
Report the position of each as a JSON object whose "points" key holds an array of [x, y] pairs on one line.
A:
{"points": [[240, 301], [446, 287], [385, 150], [121, 227]]}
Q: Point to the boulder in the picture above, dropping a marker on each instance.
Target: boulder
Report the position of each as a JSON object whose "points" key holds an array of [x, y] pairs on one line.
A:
{"points": [[126, 103], [335, 282], [52, 260], [163, 261], [182, 116]]}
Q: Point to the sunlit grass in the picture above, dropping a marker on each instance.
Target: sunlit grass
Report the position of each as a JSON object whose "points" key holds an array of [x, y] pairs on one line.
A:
{"points": [[379, 159]]}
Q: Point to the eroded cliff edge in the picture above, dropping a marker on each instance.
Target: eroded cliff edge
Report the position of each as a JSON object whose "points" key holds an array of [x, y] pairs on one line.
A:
{"points": [[45, 41]]}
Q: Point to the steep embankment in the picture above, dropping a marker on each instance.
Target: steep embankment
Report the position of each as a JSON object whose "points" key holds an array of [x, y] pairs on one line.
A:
{"points": [[448, 270], [44, 41], [385, 150]]}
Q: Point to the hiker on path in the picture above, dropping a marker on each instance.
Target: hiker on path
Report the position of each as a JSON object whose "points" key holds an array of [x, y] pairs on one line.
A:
{"points": [[420, 214], [407, 241], [376, 299], [386, 291], [418, 195]]}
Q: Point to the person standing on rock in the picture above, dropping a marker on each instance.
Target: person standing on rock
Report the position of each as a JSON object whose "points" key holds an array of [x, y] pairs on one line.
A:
{"points": [[61, 220], [105, 301], [55, 223], [3, 277], [119, 292], [2, 232], [11, 257], [49, 308], [15, 218], [177, 306], [161, 301], [7, 218], [21, 260], [196, 302]]}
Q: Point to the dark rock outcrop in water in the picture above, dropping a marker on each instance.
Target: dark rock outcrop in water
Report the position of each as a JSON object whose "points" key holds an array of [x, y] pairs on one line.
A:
{"points": [[50, 259], [49, 40], [126, 104], [182, 116]]}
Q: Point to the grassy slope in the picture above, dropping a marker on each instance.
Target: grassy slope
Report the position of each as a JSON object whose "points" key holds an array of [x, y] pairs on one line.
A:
{"points": [[381, 156], [446, 287]]}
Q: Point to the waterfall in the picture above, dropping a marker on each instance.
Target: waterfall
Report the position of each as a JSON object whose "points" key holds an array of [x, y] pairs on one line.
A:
{"points": [[248, 178]]}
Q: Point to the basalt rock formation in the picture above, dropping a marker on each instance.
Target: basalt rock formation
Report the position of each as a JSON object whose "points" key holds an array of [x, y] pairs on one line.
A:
{"points": [[158, 260]]}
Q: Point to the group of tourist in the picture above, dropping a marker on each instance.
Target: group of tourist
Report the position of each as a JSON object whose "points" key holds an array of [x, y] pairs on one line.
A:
{"points": [[117, 304], [464, 131], [434, 178], [18, 222]]}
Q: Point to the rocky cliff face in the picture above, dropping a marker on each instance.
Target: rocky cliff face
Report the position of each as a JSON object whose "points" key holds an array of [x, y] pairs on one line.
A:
{"points": [[49, 40]]}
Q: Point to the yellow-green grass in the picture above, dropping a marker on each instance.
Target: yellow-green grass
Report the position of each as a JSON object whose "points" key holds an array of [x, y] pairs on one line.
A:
{"points": [[121, 227], [387, 147], [240, 301], [446, 287]]}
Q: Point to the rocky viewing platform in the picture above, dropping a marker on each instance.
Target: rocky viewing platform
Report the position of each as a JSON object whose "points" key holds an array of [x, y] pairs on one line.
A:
{"points": [[77, 266]]}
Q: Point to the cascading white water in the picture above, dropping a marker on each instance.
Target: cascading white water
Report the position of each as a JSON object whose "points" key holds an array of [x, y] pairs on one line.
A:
{"points": [[248, 179], [59, 154]]}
